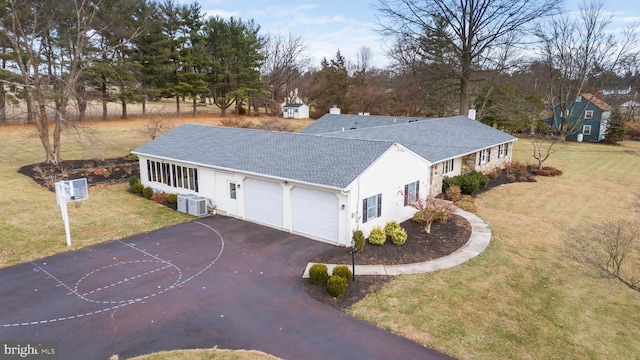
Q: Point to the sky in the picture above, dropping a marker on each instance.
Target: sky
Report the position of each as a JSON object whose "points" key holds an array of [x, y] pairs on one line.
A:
{"points": [[327, 26]]}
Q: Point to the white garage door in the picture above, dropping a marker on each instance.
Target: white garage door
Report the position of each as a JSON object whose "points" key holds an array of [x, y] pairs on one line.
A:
{"points": [[315, 213], [263, 202]]}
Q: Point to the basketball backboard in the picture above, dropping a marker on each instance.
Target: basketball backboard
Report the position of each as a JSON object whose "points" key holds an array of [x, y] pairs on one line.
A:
{"points": [[71, 191]]}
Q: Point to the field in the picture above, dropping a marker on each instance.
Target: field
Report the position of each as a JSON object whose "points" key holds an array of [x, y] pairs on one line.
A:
{"points": [[521, 299]]}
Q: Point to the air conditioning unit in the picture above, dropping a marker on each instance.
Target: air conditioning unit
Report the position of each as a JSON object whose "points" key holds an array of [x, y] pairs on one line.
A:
{"points": [[183, 202], [197, 206]]}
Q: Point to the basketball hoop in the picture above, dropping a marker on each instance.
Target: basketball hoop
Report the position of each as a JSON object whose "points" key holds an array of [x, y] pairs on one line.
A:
{"points": [[74, 191]]}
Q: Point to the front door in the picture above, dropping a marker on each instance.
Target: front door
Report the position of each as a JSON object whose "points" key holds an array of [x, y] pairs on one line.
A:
{"points": [[232, 199]]}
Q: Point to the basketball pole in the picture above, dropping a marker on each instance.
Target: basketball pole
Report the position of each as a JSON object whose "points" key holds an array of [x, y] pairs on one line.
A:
{"points": [[65, 218]]}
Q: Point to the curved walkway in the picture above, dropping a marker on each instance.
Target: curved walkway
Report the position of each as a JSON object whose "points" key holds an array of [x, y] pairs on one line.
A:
{"points": [[478, 241]]}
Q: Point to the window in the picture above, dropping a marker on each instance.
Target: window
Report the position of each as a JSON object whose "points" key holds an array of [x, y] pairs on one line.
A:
{"points": [[484, 156], [232, 191], [588, 114], [586, 129], [447, 166], [411, 193], [173, 175], [503, 149], [371, 208]]}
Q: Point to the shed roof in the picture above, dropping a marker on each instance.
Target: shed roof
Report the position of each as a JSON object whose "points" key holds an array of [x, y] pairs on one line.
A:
{"points": [[328, 161], [435, 139]]}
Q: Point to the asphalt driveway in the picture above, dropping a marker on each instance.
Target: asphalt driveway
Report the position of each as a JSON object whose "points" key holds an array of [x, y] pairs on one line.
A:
{"points": [[216, 281]]}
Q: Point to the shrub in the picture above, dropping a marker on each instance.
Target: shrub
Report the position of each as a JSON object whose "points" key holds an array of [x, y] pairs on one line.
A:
{"points": [[337, 285], [160, 197], [147, 192], [133, 180], [342, 271], [632, 130], [132, 157], [432, 210], [453, 193], [358, 241], [137, 188], [467, 203], [391, 227], [377, 236], [172, 198], [318, 274], [237, 123], [469, 183], [399, 236]]}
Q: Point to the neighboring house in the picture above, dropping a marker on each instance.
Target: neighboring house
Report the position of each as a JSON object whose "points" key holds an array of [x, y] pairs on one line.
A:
{"points": [[295, 111], [588, 118], [616, 90], [323, 183]]}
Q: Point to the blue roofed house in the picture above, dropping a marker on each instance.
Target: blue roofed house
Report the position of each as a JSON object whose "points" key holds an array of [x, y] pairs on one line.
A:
{"points": [[588, 117], [340, 174]]}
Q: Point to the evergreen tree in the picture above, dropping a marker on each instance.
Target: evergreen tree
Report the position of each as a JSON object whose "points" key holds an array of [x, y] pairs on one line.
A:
{"points": [[616, 128]]}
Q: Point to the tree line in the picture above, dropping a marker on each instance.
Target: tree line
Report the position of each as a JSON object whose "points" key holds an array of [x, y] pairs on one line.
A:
{"points": [[510, 59]]}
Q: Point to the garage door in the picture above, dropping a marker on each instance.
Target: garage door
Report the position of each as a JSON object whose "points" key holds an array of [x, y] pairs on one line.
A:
{"points": [[263, 202], [315, 213]]}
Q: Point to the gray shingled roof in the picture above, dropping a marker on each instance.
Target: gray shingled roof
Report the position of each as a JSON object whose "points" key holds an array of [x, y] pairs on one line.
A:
{"points": [[435, 139], [329, 161], [337, 122]]}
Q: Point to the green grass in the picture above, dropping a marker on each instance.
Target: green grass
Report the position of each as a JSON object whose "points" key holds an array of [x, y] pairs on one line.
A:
{"points": [[30, 220], [205, 354], [523, 298]]}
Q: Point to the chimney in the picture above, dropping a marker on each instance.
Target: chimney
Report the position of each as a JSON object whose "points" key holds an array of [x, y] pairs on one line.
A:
{"points": [[472, 114], [599, 95], [335, 110]]}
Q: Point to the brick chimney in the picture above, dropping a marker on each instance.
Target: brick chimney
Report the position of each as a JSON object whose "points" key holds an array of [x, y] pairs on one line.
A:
{"points": [[599, 95]]}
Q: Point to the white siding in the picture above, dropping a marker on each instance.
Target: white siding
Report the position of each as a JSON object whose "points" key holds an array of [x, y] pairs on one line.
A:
{"points": [[387, 176]]}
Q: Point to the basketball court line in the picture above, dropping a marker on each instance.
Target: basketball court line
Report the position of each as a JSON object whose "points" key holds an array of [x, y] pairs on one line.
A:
{"points": [[120, 303]]}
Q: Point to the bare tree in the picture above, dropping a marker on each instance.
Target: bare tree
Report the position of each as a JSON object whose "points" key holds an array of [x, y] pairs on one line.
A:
{"points": [[471, 29], [544, 147], [574, 49], [285, 61], [61, 34], [612, 248]]}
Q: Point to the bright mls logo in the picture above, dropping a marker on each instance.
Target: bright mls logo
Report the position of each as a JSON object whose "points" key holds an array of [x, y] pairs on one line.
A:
{"points": [[10, 350]]}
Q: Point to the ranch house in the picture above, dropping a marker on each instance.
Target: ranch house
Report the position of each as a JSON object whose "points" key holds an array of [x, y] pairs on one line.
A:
{"points": [[340, 174]]}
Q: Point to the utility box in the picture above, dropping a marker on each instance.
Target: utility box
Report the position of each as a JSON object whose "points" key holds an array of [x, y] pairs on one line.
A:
{"points": [[197, 206], [183, 202]]}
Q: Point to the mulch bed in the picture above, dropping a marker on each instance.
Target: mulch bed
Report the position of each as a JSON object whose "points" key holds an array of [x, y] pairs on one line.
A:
{"points": [[443, 240], [97, 172]]}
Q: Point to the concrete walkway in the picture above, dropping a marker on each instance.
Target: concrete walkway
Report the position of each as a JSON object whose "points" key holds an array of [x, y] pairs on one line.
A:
{"points": [[478, 241]]}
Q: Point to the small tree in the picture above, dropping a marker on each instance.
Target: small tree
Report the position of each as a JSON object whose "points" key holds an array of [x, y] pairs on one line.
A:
{"points": [[543, 147], [432, 210], [616, 128], [609, 248]]}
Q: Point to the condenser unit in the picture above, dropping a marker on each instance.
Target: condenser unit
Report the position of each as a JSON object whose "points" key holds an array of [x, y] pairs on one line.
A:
{"points": [[197, 206], [183, 202]]}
